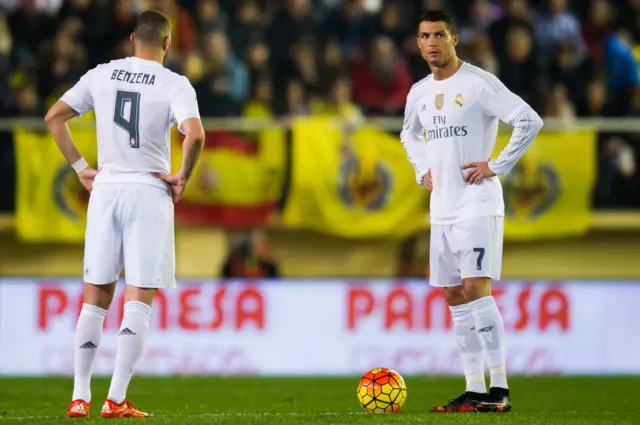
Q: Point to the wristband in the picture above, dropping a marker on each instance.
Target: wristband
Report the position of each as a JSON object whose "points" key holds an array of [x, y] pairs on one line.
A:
{"points": [[80, 165]]}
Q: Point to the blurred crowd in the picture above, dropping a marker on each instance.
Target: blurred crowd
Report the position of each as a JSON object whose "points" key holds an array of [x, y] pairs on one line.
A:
{"points": [[264, 58]]}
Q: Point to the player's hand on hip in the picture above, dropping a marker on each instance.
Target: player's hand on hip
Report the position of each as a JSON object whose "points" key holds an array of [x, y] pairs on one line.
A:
{"points": [[87, 176], [427, 181], [177, 182], [479, 171]]}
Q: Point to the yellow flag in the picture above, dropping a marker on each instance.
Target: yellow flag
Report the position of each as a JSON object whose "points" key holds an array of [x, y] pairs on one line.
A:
{"points": [[548, 193], [51, 203], [352, 184]]}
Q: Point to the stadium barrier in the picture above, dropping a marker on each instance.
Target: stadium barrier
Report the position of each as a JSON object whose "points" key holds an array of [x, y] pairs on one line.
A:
{"points": [[326, 327]]}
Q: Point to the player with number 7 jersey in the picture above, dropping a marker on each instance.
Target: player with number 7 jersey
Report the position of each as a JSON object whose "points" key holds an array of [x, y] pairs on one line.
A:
{"points": [[130, 217]]}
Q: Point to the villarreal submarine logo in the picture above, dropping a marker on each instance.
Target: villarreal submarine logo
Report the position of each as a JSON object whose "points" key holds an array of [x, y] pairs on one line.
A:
{"points": [[530, 189], [364, 183], [69, 195]]}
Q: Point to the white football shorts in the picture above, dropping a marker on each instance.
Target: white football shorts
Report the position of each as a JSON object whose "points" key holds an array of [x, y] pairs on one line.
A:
{"points": [[471, 248], [130, 226]]}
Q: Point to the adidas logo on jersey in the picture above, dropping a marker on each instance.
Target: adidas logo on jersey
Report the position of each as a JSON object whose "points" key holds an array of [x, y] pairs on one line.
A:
{"points": [[126, 331], [88, 344]]}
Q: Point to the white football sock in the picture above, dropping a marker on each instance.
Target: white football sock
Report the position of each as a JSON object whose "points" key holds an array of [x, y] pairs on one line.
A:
{"points": [[87, 341], [131, 342], [470, 347], [490, 329]]}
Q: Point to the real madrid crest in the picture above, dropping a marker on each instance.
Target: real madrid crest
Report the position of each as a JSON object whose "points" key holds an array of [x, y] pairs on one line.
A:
{"points": [[439, 101], [459, 101]]}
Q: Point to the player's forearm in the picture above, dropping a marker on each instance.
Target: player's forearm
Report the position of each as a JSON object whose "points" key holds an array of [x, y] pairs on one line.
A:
{"points": [[56, 120], [61, 134], [417, 154], [191, 149], [527, 125]]}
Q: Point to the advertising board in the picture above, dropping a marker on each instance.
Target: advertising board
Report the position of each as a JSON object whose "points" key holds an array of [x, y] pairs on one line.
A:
{"points": [[326, 327]]}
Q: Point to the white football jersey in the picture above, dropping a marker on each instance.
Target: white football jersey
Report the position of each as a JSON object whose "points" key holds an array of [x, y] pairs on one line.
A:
{"points": [[459, 118], [136, 102]]}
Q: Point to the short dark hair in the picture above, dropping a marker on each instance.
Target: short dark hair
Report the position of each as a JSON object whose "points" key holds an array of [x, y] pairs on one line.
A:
{"points": [[438, 15], [152, 27]]}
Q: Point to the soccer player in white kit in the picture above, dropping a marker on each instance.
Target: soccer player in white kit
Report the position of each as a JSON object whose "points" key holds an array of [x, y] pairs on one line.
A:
{"points": [[130, 218], [457, 109]]}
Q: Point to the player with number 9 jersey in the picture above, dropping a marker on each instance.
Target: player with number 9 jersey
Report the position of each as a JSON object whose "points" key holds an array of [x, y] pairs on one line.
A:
{"points": [[130, 217]]}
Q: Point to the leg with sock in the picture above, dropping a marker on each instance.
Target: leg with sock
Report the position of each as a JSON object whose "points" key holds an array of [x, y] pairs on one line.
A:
{"points": [[490, 328], [470, 348], [488, 322], [471, 354], [97, 299], [130, 348], [87, 341], [131, 341]]}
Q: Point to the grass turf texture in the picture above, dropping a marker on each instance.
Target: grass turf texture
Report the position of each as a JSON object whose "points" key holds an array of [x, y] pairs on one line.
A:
{"points": [[252, 400]]}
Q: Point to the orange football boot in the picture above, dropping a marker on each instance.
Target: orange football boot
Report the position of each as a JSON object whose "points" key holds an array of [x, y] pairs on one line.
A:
{"points": [[111, 409], [79, 409]]}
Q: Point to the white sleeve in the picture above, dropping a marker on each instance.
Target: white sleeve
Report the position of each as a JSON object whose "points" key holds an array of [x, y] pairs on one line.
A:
{"points": [[184, 104], [498, 101], [79, 96], [412, 137]]}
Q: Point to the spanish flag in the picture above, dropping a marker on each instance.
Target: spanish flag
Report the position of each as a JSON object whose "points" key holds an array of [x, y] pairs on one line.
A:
{"points": [[236, 183]]}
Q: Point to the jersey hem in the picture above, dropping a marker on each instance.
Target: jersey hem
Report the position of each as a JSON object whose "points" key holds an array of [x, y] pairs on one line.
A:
{"points": [[445, 222]]}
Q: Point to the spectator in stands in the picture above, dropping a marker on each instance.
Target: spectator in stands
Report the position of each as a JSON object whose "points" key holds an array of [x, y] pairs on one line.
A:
{"points": [[27, 102], [121, 19], [597, 26], [304, 66], [60, 59], [194, 68], [29, 27], [296, 99], [594, 103], [616, 186], [249, 257], [631, 19], [211, 17], [391, 22], [257, 58], [621, 68], [571, 69], [558, 104], [249, 26], [481, 15], [554, 24], [332, 64], [381, 80], [481, 54], [292, 23], [519, 69], [339, 103], [223, 65], [517, 14], [6, 44], [350, 24], [260, 105]]}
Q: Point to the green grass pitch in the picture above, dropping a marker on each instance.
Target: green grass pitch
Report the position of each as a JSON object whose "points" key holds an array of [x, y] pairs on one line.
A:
{"points": [[253, 400]]}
